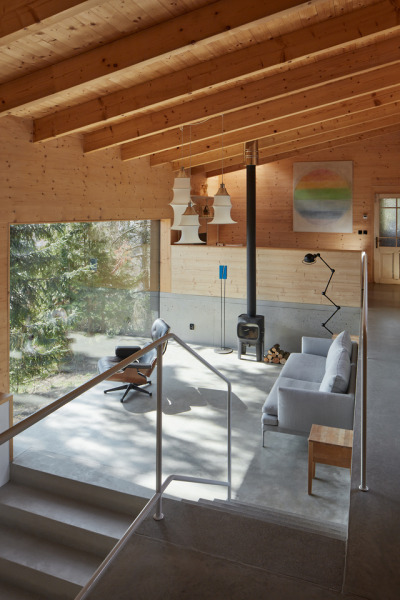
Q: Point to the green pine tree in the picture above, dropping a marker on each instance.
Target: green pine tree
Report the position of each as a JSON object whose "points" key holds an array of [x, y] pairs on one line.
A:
{"points": [[43, 270], [74, 277]]}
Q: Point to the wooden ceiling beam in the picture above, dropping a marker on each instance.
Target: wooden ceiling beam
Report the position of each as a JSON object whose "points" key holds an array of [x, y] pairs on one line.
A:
{"points": [[301, 150], [164, 39], [375, 120], [196, 160], [355, 123], [298, 103], [314, 75], [251, 61], [23, 17], [358, 108]]}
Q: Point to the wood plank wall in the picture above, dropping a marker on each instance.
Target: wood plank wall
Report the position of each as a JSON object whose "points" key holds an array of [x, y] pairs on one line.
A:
{"points": [[55, 181], [375, 170], [281, 274]]}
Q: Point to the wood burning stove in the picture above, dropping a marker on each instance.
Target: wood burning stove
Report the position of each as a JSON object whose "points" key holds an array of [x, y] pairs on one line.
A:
{"points": [[250, 327], [250, 332]]}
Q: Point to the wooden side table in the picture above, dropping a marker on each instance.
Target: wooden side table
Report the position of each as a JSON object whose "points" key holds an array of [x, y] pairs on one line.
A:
{"points": [[329, 446]]}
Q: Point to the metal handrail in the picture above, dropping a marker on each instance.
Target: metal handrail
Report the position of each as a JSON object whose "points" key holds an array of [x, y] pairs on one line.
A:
{"points": [[364, 344], [39, 415], [156, 499]]}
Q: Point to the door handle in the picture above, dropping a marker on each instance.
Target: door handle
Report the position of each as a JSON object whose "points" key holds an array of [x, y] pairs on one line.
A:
{"points": [[376, 242]]}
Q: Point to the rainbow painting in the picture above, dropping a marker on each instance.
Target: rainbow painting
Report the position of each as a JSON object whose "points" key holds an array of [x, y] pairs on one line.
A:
{"points": [[323, 197]]}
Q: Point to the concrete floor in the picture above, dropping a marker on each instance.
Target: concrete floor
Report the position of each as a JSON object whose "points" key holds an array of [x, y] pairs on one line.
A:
{"points": [[373, 556], [97, 439], [194, 416]]}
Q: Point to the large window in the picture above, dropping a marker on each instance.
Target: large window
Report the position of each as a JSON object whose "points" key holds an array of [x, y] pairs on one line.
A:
{"points": [[77, 289]]}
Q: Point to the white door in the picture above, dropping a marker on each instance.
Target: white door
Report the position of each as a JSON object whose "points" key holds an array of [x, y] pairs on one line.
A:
{"points": [[387, 239]]}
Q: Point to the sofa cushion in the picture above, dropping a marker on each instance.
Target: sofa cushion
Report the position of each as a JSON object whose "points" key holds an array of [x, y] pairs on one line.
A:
{"points": [[343, 340], [337, 373], [305, 367], [271, 404]]}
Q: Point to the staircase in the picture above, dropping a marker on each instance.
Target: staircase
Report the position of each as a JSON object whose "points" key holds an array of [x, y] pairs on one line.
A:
{"points": [[216, 550], [54, 533], [279, 517]]}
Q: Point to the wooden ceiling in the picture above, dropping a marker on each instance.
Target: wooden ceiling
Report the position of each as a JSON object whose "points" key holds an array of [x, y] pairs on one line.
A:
{"points": [[190, 81]]}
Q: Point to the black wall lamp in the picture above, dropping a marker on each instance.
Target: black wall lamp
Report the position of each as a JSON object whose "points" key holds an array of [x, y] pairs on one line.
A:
{"points": [[310, 259]]}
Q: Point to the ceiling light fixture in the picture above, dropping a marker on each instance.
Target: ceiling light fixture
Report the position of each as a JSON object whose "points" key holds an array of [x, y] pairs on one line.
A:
{"points": [[190, 223], [222, 200]]}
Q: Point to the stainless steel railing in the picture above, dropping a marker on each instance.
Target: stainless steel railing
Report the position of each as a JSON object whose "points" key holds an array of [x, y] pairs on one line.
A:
{"points": [[156, 500], [364, 347]]}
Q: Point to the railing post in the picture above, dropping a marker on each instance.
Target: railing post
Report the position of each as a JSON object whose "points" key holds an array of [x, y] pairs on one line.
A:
{"points": [[364, 337], [159, 514], [229, 428]]}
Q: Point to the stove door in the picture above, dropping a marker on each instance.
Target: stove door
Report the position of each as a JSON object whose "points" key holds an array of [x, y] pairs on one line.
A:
{"points": [[248, 331]]}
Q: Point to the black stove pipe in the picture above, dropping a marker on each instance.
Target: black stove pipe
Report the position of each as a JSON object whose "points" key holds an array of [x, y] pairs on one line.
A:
{"points": [[251, 239], [251, 155]]}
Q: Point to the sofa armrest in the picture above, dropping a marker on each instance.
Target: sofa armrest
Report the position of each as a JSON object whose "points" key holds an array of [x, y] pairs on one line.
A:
{"points": [[298, 409], [314, 345]]}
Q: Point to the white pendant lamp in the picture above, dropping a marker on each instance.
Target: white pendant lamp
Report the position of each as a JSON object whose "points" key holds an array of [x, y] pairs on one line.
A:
{"points": [[222, 200], [181, 197], [222, 207], [186, 218], [190, 227]]}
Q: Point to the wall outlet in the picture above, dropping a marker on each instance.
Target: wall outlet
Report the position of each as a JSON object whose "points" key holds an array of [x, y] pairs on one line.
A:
{"points": [[191, 326], [360, 232]]}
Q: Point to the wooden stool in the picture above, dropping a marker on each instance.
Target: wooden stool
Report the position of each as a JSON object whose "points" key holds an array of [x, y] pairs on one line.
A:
{"points": [[329, 446]]}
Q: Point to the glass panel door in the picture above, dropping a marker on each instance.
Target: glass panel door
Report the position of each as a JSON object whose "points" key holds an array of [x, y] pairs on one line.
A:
{"points": [[387, 247]]}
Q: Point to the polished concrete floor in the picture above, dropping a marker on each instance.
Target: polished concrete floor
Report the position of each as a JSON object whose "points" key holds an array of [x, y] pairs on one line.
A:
{"points": [[97, 439], [373, 556], [194, 427]]}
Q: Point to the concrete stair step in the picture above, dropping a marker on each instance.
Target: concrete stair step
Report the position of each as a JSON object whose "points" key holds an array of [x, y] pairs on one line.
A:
{"points": [[335, 530], [48, 568], [205, 553], [187, 574], [12, 592], [55, 531], [65, 520], [72, 488], [283, 550]]}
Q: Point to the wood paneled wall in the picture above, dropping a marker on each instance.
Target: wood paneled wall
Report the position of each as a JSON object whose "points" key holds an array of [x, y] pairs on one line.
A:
{"points": [[375, 170], [55, 181], [281, 274]]}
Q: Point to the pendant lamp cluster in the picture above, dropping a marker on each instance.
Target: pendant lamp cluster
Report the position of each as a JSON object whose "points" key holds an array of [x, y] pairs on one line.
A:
{"points": [[186, 218]]}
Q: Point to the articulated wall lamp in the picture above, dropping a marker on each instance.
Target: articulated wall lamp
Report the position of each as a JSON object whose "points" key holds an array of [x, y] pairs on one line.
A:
{"points": [[310, 259]]}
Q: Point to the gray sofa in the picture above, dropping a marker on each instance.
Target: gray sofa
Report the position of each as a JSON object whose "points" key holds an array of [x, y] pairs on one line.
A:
{"points": [[314, 386]]}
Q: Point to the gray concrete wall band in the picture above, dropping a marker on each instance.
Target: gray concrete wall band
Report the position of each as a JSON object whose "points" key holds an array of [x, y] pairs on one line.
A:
{"points": [[285, 322]]}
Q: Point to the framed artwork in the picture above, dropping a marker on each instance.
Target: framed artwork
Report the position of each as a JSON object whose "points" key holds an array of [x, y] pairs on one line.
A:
{"points": [[323, 196]]}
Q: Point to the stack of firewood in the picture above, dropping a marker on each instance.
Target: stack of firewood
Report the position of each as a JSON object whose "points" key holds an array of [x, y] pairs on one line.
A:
{"points": [[276, 355]]}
